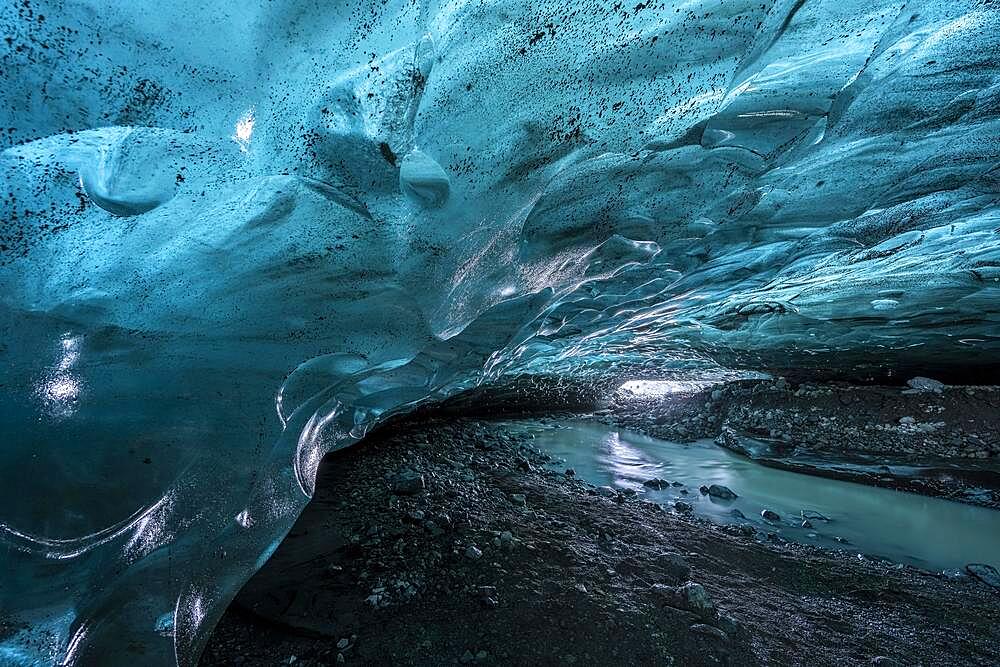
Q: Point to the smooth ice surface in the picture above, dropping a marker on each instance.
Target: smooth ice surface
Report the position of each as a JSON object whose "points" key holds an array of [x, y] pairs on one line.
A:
{"points": [[927, 532], [237, 235]]}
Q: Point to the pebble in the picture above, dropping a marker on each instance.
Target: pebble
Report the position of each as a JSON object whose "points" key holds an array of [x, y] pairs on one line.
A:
{"points": [[473, 553], [770, 515], [407, 483], [682, 506], [343, 643], [722, 492], [606, 491], [518, 499], [709, 631]]}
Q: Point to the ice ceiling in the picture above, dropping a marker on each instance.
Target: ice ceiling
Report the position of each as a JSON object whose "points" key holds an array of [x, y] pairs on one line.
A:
{"points": [[235, 236]]}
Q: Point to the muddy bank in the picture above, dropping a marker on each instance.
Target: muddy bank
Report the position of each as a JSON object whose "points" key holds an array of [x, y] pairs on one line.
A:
{"points": [[943, 442], [451, 543]]}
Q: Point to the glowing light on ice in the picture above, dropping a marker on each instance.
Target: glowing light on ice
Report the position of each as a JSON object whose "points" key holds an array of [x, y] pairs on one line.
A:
{"points": [[243, 132], [661, 387]]}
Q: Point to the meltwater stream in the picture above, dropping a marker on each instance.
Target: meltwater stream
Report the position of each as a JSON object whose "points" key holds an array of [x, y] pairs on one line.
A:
{"points": [[928, 532]]}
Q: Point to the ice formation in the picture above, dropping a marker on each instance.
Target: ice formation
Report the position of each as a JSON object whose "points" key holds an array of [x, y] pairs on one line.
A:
{"points": [[238, 235]]}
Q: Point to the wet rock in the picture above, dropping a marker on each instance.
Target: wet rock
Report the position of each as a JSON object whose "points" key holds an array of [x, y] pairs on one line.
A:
{"points": [[606, 491], [656, 483], [517, 499], [674, 565], [721, 492], [570, 472], [985, 573], [682, 506], [473, 552], [770, 515], [884, 661], [709, 631], [813, 515], [703, 489], [695, 598], [922, 385], [407, 483], [737, 514]]}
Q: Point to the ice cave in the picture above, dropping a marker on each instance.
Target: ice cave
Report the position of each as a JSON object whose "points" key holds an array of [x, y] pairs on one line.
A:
{"points": [[521, 332]]}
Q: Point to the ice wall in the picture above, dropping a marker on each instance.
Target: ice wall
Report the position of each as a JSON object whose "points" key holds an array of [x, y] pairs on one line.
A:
{"points": [[234, 236]]}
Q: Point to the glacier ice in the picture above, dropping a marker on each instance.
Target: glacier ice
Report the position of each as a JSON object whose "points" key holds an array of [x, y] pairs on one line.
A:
{"points": [[237, 236]]}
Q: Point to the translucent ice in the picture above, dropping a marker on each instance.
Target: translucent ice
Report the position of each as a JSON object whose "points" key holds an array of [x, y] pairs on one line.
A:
{"points": [[236, 236]]}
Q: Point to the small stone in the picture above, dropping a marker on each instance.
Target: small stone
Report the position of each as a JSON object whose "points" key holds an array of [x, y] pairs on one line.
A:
{"points": [[703, 489], [473, 553], [570, 472], [481, 655], [736, 513], [682, 506], [656, 483], [340, 659], [466, 658], [709, 631], [884, 661], [907, 421], [606, 491], [407, 483], [518, 499], [922, 384], [722, 492], [770, 515], [343, 643], [806, 523]]}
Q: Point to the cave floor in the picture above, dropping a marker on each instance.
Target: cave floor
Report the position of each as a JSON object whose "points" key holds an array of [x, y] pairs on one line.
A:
{"points": [[498, 559]]}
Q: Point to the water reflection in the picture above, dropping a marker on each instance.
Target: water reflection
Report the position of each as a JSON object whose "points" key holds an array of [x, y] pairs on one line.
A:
{"points": [[905, 527]]}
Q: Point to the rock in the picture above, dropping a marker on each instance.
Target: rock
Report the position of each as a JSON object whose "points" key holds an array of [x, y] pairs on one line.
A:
{"points": [[682, 506], [709, 631], [907, 421], [985, 573], [466, 658], [518, 499], [481, 655], [703, 489], [407, 483], [694, 597], [728, 624], [722, 492], [606, 491], [473, 553], [343, 643], [813, 515], [656, 483], [922, 385], [570, 472], [737, 514], [884, 661], [770, 515], [341, 659], [806, 523], [716, 395], [674, 564]]}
